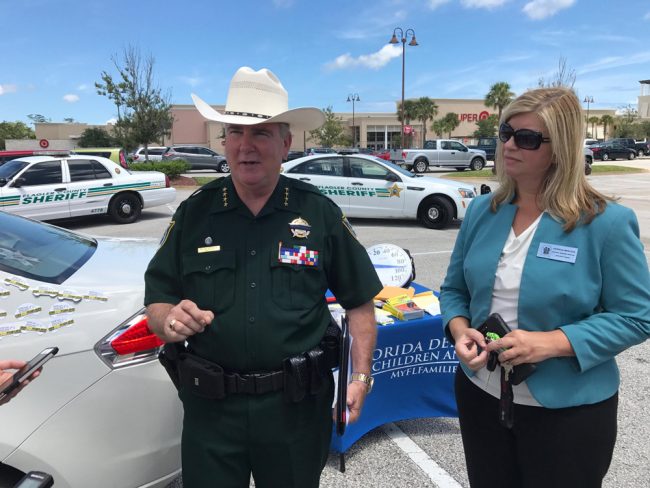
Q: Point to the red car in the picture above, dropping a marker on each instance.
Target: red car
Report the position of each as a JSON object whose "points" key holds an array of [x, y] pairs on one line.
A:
{"points": [[383, 154]]}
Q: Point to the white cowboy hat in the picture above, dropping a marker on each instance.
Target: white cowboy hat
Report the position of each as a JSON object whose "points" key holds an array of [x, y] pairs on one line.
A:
{"points": [[257, 97]]}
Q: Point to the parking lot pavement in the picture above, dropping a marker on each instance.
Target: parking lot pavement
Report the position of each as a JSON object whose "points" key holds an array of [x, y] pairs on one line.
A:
{"points": [[376, 460]]}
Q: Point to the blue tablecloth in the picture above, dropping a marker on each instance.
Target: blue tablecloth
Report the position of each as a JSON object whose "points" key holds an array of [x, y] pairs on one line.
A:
{"points": [[413, 366]]}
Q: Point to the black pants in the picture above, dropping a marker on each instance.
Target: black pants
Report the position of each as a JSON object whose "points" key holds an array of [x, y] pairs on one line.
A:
{"points": [[564, 447]]}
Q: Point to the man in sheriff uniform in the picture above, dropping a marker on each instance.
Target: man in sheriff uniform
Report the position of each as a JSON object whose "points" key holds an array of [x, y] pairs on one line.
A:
{"points": [[241, 275]]}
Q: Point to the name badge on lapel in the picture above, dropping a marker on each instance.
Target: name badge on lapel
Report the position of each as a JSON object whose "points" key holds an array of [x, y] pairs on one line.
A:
{"points": [[557, 253]]}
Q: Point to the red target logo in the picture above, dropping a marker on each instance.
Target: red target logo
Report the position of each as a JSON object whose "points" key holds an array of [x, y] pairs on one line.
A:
{"points": [[44, 143], [483, 115]]}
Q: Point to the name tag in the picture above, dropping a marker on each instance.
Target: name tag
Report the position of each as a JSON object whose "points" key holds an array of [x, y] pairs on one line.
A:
{"points": [[557, 253], [208, 249]]}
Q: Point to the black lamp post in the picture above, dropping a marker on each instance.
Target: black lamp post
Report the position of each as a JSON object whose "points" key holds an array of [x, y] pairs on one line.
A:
{"points": [[588, 100], [353, 97], [394, 40]]}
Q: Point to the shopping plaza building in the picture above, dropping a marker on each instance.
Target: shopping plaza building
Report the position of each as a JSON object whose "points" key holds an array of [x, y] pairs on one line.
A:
{"points": [[374, 130]]}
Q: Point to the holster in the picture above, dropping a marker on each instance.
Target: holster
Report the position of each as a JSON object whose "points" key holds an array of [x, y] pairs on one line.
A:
{"points": [[317, 370], [169, 357], [201, 377], [330, 344], [296, 378]]}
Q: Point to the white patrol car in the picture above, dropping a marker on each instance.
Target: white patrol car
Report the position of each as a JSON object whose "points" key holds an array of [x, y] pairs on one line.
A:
{"points": [[47, 187], [369, 187]]}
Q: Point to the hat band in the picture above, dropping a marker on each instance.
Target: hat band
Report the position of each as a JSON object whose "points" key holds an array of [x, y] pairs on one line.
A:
{"points": [[248, 114]]}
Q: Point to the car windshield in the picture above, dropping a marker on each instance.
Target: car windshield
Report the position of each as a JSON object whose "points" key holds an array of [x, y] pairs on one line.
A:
{"points": [[10, 169], [40, 251], [394, 167]]}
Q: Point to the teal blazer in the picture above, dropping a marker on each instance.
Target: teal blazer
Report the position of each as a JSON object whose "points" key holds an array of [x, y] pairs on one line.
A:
{"points": [[601, 301]]}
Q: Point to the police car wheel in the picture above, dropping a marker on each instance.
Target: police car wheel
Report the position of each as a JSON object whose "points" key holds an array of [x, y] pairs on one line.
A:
{"points": [[125, 208], [436, 213], [223, 167]]}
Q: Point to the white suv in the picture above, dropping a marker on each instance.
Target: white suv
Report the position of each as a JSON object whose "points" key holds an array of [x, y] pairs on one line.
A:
{"points": [[154, 153]]}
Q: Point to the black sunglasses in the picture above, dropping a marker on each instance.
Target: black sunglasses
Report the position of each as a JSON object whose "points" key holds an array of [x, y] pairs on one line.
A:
{"points": [[524, 138]]}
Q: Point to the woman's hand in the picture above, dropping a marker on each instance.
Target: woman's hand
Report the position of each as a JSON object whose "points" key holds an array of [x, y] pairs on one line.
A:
{"points": [[468, 342], [524, 346]]}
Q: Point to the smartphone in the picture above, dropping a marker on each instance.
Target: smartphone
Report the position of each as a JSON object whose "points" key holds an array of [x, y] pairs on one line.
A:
{"points": [[495, 324], [26, 371]]}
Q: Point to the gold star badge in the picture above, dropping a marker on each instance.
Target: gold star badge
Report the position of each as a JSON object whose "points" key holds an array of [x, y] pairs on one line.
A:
{"points": [[394, 190]]}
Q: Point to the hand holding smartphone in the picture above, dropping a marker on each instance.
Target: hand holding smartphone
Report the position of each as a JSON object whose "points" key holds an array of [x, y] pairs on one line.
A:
{"points": [[26, 371]]}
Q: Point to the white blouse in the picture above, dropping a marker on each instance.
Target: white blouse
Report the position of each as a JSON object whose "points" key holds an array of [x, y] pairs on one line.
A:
{"points": [[505, 298]]}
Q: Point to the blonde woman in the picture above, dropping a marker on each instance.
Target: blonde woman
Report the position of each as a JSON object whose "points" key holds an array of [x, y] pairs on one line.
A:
{"points": [[564, 267]]}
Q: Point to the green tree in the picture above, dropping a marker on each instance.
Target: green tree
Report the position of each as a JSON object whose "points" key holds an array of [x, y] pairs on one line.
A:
{"points": [[410, 113], [14, 130], [450, 122], [438, 127], [593, 121], [499, 96], [331, 133], [69, 120], [425, 110], [38, 118], [96, 137], [143, 111], [624, 125], [487, 127], [606, 121]]}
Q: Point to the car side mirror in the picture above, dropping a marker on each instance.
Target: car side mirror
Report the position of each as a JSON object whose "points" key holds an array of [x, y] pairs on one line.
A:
{"points": [[392, 177], [3, 181], [17, 183], [465, 149]]}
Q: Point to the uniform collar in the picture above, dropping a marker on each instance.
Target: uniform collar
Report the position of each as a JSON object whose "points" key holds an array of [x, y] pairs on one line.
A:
{"points": [[284, 197]]}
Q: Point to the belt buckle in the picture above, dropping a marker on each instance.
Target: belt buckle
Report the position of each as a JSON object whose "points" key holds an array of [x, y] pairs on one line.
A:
{"points": [[245, 384]]}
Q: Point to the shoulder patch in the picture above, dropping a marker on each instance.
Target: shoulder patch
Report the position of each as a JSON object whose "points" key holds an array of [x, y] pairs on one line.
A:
{"points": [[346, 223], [165, 235]]}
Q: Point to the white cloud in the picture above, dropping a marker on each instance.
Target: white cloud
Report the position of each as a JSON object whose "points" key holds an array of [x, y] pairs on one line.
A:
{"points": [[373, 61], [82, 87], [434, 4], [611, 62], [112, 120], [488, 4], [71, 98], [191, 80], [540, 9], [4, 89]]}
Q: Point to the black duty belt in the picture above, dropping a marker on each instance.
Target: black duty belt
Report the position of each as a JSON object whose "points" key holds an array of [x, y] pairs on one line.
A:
{"points": [[254, 383]]}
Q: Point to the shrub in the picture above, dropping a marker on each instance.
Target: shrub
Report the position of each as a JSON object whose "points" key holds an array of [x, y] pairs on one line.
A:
{"points": [[170, 168]]}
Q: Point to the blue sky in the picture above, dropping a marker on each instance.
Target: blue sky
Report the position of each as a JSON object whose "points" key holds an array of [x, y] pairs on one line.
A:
{"points": [[53, 51]]}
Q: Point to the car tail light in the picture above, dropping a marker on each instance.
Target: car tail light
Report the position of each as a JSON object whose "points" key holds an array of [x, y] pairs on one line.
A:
{"points": [[123, 162], [130, 343], [404, 155], [167, 182], [136, 157]]}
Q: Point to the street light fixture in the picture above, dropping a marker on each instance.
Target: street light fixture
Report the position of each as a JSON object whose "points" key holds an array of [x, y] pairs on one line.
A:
{"points": [[353, 97], [588, 100], [394, 40]]}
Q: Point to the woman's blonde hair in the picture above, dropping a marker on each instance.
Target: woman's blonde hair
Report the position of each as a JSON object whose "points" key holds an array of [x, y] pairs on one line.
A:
{"points": [[565, 192]]}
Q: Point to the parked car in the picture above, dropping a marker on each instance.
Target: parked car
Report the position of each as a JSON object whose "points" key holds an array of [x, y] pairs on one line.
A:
{"points": [[9, 155], [366, 186], [115, 154], [382, 154], [154, 153], [487, 144], [589, 159], [319, 150], [589, 142], [198, 157], [295, 155], [440, 152], [640, 148], [48, 187], [104, 413], [611, 150]]}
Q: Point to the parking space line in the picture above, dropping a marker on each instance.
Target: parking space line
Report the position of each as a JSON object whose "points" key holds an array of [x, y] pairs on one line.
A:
{"points": [[436, 474]]}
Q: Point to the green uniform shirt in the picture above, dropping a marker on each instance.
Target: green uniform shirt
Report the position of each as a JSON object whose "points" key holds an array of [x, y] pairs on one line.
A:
{"points": [[219, 255]]}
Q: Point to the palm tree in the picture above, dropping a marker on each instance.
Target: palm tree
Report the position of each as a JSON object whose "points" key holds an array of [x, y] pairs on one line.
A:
{"points": [[410, 113], [606, 120], [450, 121], [425, 109], [499, 96], [593, 121], [438, 127]]}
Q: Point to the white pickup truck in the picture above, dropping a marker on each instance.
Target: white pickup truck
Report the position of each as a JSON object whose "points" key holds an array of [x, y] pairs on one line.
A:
{"points": [[440, 152]]}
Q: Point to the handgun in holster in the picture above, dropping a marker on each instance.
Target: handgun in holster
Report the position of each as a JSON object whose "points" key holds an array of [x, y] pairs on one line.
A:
{"points": [[318, 370], [296, 378], [330, 344]]}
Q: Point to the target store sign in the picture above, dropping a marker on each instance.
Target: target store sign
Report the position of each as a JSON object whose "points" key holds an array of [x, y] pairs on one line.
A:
{"points": [[475, 117], [44, 143]]}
